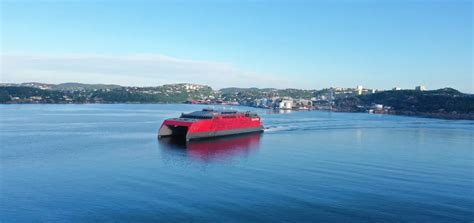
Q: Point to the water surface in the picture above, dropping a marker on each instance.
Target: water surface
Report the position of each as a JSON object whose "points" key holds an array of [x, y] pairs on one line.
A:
{"points": [[103, 163]]}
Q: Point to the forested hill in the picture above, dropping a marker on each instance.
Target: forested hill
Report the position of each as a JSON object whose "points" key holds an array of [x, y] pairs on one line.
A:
{"points": [[82, 93], [172, 93], [441, 103]]}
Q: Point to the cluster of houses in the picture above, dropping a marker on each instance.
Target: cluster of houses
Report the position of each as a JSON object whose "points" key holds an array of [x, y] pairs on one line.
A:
{"points": [[284, 103], [40, 99], [325, 100], [379, 109], [202, 94]]}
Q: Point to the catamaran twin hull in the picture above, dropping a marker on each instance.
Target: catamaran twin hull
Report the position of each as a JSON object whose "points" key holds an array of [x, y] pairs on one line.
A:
{"points": [[211, 123]]}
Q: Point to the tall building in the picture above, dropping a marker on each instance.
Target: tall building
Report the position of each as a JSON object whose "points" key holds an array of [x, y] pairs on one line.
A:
{"points": [[420, 88], [359, 89]]}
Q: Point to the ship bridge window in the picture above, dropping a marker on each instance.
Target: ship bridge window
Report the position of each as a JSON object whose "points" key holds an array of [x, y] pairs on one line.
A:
{"points": [[196, 117], [228, 112]]}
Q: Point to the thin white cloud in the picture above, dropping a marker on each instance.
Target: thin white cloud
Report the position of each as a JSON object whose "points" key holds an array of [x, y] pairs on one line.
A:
{"points": [[128, 70]]}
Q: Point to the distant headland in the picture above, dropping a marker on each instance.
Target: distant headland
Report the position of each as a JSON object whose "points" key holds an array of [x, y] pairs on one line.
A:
{"points": [[446, 103]]}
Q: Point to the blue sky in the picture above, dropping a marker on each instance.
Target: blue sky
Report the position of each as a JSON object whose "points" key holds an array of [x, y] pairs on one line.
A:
{"points": [[301, 44]]}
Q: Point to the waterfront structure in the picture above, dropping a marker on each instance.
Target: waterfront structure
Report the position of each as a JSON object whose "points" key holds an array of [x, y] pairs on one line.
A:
{"points": [[303, 104], [286, 103]]}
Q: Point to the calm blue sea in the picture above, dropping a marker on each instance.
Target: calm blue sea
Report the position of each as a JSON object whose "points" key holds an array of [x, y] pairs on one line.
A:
{"points": [[103, 163]]}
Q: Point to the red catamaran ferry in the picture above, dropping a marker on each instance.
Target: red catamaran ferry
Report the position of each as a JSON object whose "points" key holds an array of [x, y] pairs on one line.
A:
{"points": [[211, 123]]}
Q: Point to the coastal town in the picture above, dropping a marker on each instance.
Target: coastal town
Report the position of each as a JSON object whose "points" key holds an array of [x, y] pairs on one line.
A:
{"points": [[269, 98], [418, 101]]}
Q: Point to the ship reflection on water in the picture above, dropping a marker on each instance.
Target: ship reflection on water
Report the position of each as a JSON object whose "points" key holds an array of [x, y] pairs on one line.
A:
{"points": [[208, 150]]}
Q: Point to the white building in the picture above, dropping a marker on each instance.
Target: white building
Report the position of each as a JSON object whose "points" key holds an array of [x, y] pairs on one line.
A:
{"points": [[359, 89], [286, 104], [193, 86], [378, 106], [420, 88]]}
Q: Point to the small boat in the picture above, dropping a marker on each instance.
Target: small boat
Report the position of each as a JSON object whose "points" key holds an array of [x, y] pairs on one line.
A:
{"points": [[210, 123]]}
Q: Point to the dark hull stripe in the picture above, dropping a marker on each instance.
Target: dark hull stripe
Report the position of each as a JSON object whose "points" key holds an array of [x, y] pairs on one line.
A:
{"points": [[222, 133]]}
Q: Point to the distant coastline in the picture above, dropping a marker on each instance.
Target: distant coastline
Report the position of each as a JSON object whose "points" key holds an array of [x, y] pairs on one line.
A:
{"points": [[444, 103]]}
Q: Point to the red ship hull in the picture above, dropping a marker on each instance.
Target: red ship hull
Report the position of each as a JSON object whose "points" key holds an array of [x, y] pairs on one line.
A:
{"points": [[210, 123]]}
